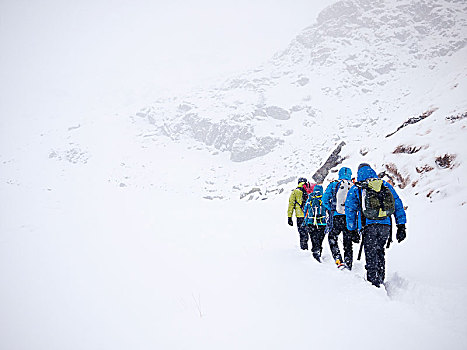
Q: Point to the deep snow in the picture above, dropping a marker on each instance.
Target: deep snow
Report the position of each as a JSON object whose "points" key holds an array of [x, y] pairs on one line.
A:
{"points": [[106, 241], [120, 268]]}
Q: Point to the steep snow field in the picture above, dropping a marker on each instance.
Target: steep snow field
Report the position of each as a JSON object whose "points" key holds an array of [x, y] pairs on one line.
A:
{"points": [[126, 230]]}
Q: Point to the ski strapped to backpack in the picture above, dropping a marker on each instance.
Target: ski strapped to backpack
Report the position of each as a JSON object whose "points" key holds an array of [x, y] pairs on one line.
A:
{"points": [[377, 201]]}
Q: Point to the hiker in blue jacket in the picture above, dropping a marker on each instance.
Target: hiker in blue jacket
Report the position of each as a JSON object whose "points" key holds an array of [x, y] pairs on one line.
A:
{"points": [[375, 232], [334, 201], [315, 220]]}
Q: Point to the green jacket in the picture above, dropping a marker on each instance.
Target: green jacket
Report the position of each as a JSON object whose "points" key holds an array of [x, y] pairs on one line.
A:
{"points": [[295, 201]]}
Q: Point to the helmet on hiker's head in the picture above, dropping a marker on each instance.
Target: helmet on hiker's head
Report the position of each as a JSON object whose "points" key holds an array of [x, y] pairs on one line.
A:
{"points": [[345, 174], [366, 172], [302, 179]]}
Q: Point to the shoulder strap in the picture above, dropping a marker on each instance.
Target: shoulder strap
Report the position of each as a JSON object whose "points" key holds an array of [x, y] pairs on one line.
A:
{"points": [[362, 217], [303, 192], [334, 193]]}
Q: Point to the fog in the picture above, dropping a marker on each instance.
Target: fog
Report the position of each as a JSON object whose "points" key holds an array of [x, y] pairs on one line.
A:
{"points": [[62, 57]]}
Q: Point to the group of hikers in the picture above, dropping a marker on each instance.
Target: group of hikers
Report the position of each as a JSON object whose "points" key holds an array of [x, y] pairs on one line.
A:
{"points": [[360, 210]]}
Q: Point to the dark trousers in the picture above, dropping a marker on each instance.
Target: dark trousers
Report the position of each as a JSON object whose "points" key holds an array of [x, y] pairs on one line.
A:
{"points": [[303, 233], [314, 233], [375, 237], [339, 224], [316, 237]]}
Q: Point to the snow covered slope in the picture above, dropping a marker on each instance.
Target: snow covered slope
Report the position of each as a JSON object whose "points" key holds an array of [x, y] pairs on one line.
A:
{"points": [[106, 241], [359, 72]]}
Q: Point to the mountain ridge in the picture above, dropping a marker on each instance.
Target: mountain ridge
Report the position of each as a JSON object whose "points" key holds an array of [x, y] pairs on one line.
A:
{"points": [[359, 71]]}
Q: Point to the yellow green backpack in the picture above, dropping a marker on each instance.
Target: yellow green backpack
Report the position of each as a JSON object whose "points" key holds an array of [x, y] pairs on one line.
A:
{"points": [[377, 199]]}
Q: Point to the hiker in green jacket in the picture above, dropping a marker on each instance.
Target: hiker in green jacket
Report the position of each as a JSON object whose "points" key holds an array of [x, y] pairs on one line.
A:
{"points": [[297, 201]]}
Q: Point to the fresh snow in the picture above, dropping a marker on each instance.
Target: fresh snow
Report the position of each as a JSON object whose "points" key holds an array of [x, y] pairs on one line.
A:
{"points": [[122, 231], [109, 267]]}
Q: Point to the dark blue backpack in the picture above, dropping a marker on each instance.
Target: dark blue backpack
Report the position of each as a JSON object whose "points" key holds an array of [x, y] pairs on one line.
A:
{"points": [[318, 212]]}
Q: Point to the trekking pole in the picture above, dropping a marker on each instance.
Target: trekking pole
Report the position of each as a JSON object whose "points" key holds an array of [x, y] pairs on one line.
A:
{"points": [[305, 217], [307, 212], [361, 248]]}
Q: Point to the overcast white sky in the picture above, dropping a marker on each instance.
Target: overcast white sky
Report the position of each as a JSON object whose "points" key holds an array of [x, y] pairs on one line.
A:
{"points": [[92, 50]]}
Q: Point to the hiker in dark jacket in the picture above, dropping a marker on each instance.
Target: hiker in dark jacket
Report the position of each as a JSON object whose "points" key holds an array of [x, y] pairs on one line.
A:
{"points": [[297, 201], [334, 201], [375, 233]]}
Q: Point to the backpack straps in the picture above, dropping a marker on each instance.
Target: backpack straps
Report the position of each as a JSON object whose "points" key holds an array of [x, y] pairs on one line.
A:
{"points": [[302, 206], [334, 194], [362, 217]]}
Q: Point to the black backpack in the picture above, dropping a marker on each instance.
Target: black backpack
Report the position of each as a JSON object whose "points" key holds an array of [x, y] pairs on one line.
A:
{"points": [[377, 199], [304, 198]]}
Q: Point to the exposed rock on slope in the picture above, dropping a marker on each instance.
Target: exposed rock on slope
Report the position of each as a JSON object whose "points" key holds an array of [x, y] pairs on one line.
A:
{"points": [[353, 76]]}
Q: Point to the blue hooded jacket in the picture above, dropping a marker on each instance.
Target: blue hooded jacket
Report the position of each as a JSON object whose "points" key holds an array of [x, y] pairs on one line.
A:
{"points": [[317, 191], [344, 174], [353, 209]]}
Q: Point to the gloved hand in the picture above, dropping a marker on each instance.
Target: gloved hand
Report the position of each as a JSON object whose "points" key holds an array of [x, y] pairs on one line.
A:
{"points": [[401, 234], [290, 222], [354, 236]]}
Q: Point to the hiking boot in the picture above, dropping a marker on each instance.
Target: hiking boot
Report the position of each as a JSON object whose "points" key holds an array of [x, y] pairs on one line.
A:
{"points": [[341, 265], [317, 256]]}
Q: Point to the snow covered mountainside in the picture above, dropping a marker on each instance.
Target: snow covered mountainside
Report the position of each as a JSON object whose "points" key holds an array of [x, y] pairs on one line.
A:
{"points": [[143, 232], [360, 71]]}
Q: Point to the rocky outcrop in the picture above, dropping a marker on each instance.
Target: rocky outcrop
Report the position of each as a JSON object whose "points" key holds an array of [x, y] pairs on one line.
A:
{"points": [[333, 160], [243, 150], [413, 120], [346, 77]]}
